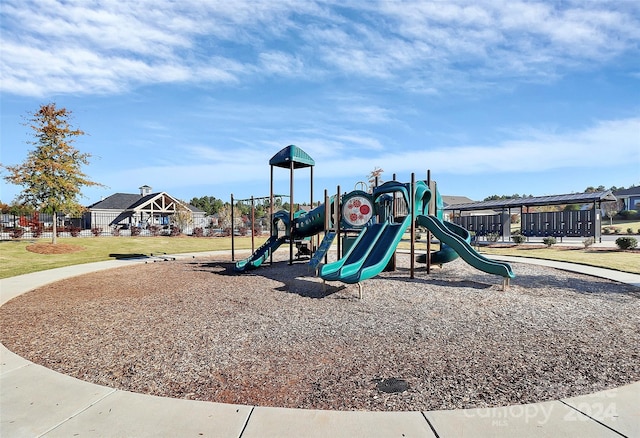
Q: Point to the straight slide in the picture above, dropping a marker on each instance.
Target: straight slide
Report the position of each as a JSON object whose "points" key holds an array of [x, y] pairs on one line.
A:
{"points": [[464, 248], [261, 254]]}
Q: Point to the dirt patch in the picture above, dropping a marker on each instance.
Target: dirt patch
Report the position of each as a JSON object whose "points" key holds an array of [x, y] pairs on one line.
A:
{"points": [[58, 248]]}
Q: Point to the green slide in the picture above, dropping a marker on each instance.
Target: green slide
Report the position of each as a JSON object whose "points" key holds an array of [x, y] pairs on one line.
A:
{"points": [[261, 254], [376, 243], [446, 254], [464, 248], [355, 257]]}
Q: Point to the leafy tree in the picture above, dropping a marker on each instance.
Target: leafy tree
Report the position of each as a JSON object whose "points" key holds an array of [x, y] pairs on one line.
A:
{"points": [[52, 174], [209, 204], [591, 189]]}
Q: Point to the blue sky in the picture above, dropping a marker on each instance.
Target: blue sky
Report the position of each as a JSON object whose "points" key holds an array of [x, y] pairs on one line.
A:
{"points": [[194, 97]]}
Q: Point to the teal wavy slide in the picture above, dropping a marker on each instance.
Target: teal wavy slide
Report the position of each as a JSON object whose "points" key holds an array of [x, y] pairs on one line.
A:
{"points": [[446, 254], [464, 248]]}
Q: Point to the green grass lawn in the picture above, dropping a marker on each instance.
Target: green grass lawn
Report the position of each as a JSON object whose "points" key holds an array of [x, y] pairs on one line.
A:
{"points": [[16, 260], [626, 261]]}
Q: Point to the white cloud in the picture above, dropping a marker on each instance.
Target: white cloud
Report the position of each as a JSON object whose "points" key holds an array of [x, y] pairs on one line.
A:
{"points": [[599, 147], [108, 47], [603, 146]]}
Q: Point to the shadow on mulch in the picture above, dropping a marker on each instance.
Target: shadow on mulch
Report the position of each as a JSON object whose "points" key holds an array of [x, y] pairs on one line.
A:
{"points": [[217, 267], [580, 286], [128, 256], [292, 277], [444, 283]]}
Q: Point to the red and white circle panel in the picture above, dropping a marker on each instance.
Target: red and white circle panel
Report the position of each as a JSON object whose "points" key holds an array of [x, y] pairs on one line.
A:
{"points": [[357, 211]]}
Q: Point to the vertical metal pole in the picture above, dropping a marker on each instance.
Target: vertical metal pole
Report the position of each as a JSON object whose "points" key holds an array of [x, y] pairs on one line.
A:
{"points": [[337, 214], [233, 247], [272, 231], [327, 221], [428, 213], [291, 213], [413, 226], [314, 239], [253, 218]]}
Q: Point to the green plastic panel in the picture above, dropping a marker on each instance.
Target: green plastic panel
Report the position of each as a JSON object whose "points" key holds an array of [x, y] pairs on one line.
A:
{"points": [[290, 154]]}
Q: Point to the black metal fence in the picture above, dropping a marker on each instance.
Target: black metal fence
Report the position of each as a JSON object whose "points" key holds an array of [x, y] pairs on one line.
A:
{"points": [[40, 225], [579, 223], [582, 223]]}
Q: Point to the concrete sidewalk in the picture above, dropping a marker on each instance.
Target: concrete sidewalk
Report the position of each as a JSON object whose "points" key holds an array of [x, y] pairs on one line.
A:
{"points": [[35, 401]]}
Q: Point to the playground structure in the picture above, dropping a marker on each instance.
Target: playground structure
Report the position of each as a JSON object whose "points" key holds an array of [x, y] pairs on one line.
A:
{"points": [[368, 228]]}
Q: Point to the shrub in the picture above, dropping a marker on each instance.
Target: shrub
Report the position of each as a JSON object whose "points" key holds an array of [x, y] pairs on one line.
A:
{"points": [[115, 232], [198, 232], [629, 230], [518, 239], [549, 241], [75, 231], [606, 230], [628, 214], [135, 231], [626, 242], [175, 231], [16, 233], [36, 232], [96, 231], [154, 230], [418, 236], [588, 242], [493, 237]]}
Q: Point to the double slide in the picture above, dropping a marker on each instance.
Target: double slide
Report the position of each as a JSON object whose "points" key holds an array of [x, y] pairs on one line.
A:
{"points": [[369, 254], [376, 243]]}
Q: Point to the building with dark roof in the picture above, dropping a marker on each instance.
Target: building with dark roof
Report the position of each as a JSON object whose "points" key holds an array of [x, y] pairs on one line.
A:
{"points": [[142, 210], [629, 198]]}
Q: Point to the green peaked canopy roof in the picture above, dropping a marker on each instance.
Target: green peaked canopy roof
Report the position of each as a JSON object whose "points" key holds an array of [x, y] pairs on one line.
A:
{"points": [[293, 154]]}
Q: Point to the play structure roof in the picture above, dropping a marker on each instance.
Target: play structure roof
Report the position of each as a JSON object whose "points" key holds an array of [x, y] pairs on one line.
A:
{"points": [[573, 198], [290, 154]]}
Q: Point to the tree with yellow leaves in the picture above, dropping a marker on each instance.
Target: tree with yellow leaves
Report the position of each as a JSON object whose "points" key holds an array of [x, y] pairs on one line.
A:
{"points": [[51, 175]]}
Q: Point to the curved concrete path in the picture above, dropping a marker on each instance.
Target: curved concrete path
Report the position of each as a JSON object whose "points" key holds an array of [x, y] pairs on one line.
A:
{"points": [[36, 401]]}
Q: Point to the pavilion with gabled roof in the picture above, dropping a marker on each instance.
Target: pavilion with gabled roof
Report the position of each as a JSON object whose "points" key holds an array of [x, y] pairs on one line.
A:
{"points": [[125, 209]]}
